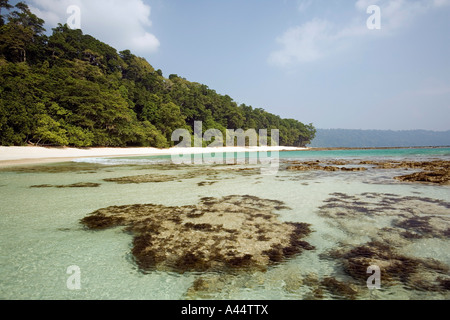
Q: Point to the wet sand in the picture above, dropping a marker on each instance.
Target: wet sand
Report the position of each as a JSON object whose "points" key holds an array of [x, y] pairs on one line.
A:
{"points": [[10, 156]]}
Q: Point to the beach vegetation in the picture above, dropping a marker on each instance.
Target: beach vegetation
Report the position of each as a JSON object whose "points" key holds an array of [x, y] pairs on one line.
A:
{"points": [[69, 89]]}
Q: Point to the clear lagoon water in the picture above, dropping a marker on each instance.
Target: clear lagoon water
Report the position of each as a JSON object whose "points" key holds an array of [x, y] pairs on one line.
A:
{"points": [[41, 234]]}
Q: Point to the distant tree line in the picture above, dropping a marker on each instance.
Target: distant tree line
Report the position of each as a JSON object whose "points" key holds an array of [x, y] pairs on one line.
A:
{"points": [[70, 89]]}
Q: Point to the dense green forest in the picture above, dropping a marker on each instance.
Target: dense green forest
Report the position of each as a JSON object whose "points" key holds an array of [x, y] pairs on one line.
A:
{"points": [[70, 89], [343, 138]]}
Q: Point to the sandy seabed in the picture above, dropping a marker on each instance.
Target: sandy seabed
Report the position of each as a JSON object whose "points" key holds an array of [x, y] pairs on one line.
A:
{"points": [[35, 155]]}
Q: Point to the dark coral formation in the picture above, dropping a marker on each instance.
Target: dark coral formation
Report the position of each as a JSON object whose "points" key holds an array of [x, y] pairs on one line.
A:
{"points": [[146, 178], [206, 183], [414, 273], [331, 165], [433, 172], [339, 289], [288, 277], [437, 177], [430, 165], [409, 211], [405, 219], [68, 167], [209, 173], [231, 233], [418, 227], [329, 286], [75, 185]]}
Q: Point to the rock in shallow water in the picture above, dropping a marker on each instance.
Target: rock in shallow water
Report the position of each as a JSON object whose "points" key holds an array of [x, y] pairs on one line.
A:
{"points": [[217, 234], [433, 172]]}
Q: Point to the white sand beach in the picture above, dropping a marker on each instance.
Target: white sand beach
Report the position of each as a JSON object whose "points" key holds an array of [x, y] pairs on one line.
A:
{"points": [[34, 155]]}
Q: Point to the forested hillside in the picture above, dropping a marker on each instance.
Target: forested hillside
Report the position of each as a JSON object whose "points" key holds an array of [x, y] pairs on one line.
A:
{"points": [[342, 138], [69, 89]]}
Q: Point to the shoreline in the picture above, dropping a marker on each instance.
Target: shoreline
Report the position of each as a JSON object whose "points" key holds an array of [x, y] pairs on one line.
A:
{"points": [[28, 155], [11, 156], [376, 148]]}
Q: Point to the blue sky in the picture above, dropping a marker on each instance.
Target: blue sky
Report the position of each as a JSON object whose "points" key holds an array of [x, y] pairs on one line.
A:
{"points": [[312, 60]]}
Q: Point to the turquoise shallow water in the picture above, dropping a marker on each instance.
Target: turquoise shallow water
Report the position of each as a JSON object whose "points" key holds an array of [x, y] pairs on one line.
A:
{"points": [[372, 153], [42, 236]]}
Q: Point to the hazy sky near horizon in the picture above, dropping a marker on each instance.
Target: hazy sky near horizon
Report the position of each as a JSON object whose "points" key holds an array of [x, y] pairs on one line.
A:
{"points": [[312, 60]]}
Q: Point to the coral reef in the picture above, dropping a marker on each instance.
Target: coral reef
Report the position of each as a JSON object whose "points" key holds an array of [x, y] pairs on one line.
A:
{"points": [[437, 177], [206, 183], [288, 278], [75, 185], [331, 165], [68, 167], [146, 178], [405, 219], [418, 227], [433, 172], [339, 289], [235, 232], [370, 204], [414, 273], [209, 173], [208, 286]]}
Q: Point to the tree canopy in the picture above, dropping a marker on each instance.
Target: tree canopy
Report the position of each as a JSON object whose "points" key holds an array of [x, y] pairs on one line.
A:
{"points": [[70, 89]]}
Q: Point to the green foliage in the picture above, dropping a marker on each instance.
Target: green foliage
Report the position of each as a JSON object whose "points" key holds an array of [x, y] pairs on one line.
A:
{"points": [[4, 4], [70, 89], [22, 38], [49, 131]]}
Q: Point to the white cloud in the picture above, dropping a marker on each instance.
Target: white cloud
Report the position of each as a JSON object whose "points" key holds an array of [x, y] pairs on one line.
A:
{"points": [[363, 4], [121, 24], [304, 5], [441, 3], [147, 40], [303, 43], [319, 38], [315, 40]]}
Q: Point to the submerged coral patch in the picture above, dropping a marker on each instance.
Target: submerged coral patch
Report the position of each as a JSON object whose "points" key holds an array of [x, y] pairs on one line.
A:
{"points": [[391, 222], [328, 165], [68, 167], [210, 175], [339, 288], [414, 273], [368, 204], [435, 177], [206, 183], [146, 178], [431, 172], [75, 185], [230, 233], [419, 227]]}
